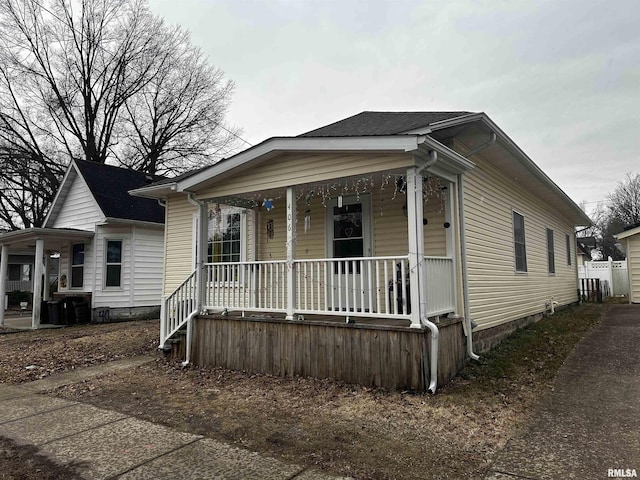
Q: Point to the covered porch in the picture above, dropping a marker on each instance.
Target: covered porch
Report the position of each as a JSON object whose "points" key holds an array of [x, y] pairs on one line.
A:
{"points": [[381, 250], [41, 243]]}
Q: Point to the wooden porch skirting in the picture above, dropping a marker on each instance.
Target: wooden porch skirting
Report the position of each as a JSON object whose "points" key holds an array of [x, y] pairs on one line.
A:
{"points": [[368, 353]]}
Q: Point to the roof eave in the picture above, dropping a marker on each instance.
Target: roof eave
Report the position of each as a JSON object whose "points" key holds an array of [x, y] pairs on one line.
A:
{"points": [[276, 145], [154, 192], [627, 233]]}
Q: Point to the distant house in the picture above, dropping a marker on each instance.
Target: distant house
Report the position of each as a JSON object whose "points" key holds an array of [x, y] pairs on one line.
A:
{"points": [[109, 245], [366, 250], [630, 238]]}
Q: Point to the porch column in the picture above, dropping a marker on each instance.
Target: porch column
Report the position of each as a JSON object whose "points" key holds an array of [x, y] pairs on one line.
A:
{"points": [[202, 250], [291, 251], [4, 266], [37, 284], [452, 236], [417, 274]]}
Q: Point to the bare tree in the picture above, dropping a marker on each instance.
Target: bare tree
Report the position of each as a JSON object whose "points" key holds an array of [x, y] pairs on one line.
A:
{"points": [[98, 80], [624, 201], [76, 64], [176, 122]]}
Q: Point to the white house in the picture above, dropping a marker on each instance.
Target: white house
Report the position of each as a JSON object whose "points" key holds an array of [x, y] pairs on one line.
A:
{"points": [[110, 245]]}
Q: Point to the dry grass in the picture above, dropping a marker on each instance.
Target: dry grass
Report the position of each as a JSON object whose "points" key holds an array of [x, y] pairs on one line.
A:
{"points": [[351, 430]]}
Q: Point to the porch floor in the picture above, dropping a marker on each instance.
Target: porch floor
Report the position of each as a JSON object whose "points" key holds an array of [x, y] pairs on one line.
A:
{"points": [[16, 320], [328, 319]]}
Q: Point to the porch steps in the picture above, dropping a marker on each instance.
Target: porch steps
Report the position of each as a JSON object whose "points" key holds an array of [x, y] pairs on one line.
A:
{"points": [[176, 346]]}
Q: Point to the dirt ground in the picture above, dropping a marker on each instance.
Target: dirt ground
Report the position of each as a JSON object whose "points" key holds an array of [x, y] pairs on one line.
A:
{"points": [[338, 428]]}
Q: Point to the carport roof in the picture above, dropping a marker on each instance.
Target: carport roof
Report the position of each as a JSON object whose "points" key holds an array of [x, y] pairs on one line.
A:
{"points": [[53, 237]]}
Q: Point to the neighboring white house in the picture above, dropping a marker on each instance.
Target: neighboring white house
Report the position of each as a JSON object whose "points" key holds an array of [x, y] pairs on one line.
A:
{"points": [[631, 240], [110, 244]]}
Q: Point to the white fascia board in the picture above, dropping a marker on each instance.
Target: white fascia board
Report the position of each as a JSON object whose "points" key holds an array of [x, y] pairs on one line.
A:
{"points": [[397, 143], [627, 233], [154, 192], [126, 221], [70, 169], [513, 147], [40, 232], [455, 162], [532, 167]]}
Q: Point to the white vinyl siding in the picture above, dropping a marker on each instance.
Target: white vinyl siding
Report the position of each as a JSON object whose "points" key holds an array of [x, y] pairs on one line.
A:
{"points": [[79, 209], [148, 247], [497, 294]]}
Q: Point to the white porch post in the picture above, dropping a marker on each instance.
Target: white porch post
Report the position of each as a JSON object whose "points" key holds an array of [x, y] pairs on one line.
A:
{"points": [[4, 266], [291, 251], [37, 284], [201, 248], [417, 274], [451, 235]]}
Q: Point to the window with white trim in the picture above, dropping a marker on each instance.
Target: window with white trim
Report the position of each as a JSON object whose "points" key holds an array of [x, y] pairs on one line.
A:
{"points": [[77, 265], [113, 264], [519, 246], [551, 260], [225, 235]]}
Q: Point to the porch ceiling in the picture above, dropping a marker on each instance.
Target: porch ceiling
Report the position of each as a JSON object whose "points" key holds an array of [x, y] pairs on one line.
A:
{"points": [[24, 240]]}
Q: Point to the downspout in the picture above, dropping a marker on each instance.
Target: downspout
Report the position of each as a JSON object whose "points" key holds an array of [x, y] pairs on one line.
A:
{"points": [[463, 250], [433, 328], [463, 264]]}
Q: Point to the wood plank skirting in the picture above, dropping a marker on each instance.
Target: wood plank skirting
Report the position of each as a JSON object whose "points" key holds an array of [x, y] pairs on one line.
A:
{"points": [[387, 356]]}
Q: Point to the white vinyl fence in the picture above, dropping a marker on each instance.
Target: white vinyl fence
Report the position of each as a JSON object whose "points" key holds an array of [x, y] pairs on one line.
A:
{"points": [[612, 274]]}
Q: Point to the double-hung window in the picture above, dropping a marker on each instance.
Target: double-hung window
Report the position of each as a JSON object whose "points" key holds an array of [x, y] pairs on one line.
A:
{"points": [[519, 247], [551, 261], [113, 266], [77, 265], [225, 241], [568, 239]]}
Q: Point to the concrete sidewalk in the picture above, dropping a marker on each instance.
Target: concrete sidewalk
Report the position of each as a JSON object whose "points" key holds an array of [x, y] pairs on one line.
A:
{"points": [[591, 421], [102, 444]]}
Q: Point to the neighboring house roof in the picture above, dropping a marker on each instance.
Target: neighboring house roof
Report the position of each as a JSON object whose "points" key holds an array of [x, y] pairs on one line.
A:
{"points": [[628, 231], [382, 123], [109, 187]]}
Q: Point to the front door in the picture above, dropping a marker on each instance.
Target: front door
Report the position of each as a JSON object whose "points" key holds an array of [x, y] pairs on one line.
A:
{"points": [[349, 237]]}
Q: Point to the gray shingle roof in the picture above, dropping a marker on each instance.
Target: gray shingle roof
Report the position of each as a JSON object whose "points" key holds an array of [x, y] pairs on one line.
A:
{"points": [[110, 186], [381, 123]]}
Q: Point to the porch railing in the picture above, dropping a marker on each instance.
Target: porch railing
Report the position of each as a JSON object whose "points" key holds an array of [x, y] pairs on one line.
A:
{"points": [[177, 308], [19, 286], [361, 286], [250, 286]]}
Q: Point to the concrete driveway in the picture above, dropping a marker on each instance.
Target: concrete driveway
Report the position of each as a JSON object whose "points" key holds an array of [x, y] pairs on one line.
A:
{"points": [[589, 427]]}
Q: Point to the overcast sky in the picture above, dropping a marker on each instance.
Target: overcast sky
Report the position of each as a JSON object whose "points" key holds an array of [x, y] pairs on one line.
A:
{"points": [[561, 78]]}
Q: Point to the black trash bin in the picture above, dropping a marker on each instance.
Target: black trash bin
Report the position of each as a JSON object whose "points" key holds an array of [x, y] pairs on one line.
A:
{"points": [[44, 312], [67, 312], [82, 312], [53, 310], [398, 284]]}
